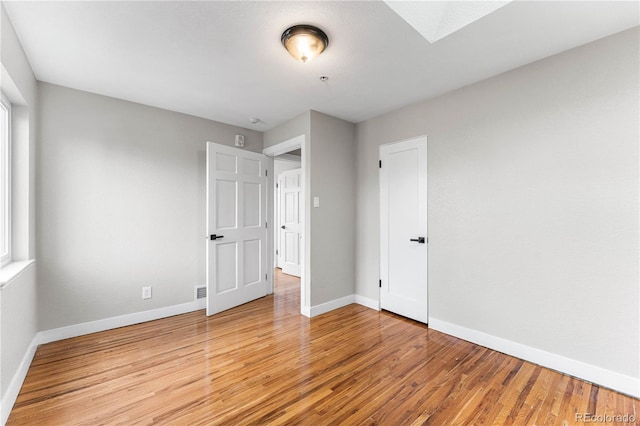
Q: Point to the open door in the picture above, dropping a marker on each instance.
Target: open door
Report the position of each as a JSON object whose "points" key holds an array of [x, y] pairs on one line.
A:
{"points": [[236, 227], [290, 223]]}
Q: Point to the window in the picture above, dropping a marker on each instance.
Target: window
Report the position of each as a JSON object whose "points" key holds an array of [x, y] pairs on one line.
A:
{"points": [[5, 181]]}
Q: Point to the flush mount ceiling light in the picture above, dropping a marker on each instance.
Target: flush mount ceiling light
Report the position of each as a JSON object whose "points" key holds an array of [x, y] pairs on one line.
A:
{"points": [[304, 42]]}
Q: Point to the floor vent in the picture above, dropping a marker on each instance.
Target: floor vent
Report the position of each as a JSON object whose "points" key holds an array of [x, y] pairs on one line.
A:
{"points": [[201, 292]]}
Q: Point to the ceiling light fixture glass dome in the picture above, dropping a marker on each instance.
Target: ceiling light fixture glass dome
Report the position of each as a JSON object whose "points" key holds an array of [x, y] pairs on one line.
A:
{"points": [[304, 42]]}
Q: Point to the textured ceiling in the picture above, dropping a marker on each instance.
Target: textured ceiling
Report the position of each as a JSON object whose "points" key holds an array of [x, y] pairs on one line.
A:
{"points": [[224, 61]]}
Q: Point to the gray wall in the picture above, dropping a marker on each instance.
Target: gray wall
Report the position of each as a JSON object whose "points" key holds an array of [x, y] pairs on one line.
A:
{"points": [[297, 126], [122, 205], [330, 175], [533, 203], [18, 304], [333, 180], [18, 315]]}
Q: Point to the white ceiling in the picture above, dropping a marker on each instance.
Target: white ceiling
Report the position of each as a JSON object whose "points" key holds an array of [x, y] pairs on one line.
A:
{"points": [[223, 60]]}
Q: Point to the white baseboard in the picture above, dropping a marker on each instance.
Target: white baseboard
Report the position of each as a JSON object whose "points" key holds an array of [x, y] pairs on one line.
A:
{"points": [[115, 322], [200, 304], [306, 311], [9, 398], [591, 373], [331, 305], [323, 308], [369, 303]]}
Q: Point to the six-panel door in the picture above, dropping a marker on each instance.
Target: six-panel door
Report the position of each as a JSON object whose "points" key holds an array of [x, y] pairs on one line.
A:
{"points": [[236, 227], [290, 231]]}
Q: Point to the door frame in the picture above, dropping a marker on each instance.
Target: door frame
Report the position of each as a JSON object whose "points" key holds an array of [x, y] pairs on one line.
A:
{"points": [[299, 142]]}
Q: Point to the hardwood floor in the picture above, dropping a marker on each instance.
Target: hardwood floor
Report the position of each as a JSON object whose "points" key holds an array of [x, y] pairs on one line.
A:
{"points": [[264, 363]]}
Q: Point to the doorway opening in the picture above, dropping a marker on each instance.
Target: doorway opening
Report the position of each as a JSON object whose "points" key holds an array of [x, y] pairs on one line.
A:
{"points": [[287, 208], [287, 221]]}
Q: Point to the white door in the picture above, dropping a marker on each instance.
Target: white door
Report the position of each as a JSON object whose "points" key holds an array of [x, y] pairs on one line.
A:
{"points": [[403, 228], [290, 224], [276, 219], [236, 227]]}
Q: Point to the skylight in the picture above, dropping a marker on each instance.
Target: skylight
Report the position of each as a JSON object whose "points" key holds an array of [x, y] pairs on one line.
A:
{"points": [[435, 20]]}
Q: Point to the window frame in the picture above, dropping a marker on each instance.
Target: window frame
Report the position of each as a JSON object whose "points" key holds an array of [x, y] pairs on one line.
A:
{"points": [[5, 181]]}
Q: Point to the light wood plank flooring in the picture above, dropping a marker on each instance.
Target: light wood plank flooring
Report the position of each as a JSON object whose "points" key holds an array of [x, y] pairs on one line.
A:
{"points": [[263, 363]]}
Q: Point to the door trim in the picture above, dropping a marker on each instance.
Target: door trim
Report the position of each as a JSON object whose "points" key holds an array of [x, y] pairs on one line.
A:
{"points": [[284, 147], [298, 142]]}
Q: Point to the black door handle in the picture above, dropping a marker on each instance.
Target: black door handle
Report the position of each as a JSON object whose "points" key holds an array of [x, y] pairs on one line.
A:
{"points": [[282, 227], [216, 237], [419, 240]]}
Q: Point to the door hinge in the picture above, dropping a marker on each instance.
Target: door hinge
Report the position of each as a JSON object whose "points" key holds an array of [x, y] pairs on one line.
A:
{"points": [[380, 163], [266, 172], [276, 252], [277, 185], [380, 283], [266, 225]]}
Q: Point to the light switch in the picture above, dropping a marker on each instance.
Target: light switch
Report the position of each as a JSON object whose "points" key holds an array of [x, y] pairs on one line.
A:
{"points": [[316, 201]]}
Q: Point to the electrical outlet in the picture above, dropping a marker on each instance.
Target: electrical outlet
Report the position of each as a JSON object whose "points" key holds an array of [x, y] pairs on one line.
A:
{"points": [[146, 292]]}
